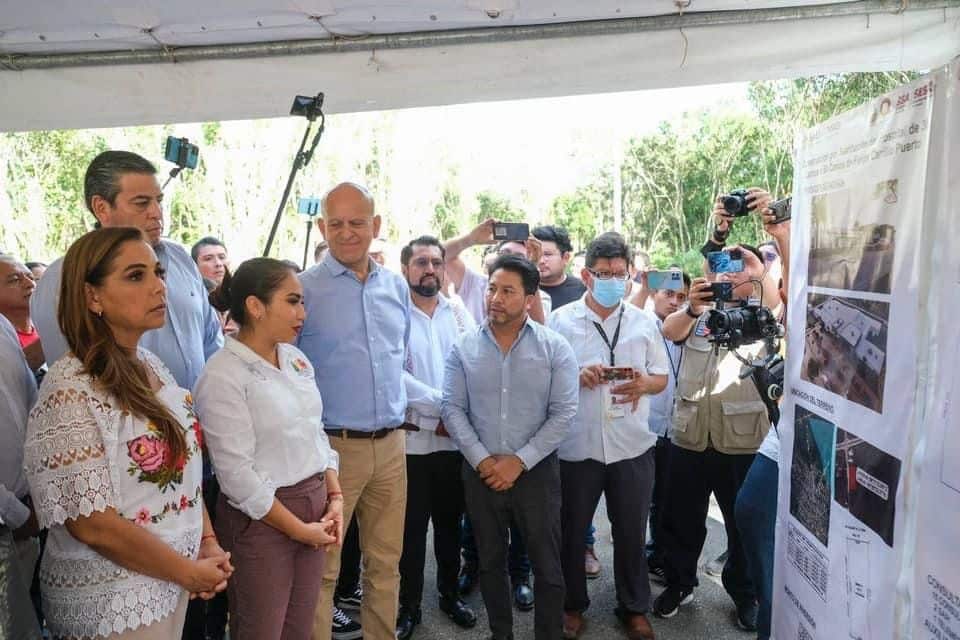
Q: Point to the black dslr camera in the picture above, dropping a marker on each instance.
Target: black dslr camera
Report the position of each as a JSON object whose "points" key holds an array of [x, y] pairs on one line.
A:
{"points": [[736, 203], [731, 328]]}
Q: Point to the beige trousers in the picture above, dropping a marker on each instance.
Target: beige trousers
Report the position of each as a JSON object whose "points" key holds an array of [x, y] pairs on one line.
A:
{"points": [[373, 477]]}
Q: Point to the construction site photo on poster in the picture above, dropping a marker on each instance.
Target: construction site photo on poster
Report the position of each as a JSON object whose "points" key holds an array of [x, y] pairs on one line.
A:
{"points": [[852, 345]]}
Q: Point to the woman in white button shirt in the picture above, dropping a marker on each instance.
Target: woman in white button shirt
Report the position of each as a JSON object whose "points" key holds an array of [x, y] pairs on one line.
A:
{"points": [[280, 504]]}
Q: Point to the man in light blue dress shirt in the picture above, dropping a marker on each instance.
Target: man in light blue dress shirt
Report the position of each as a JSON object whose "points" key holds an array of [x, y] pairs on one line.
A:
{"points": [[121, 190], [355, 334], [509, 397]]}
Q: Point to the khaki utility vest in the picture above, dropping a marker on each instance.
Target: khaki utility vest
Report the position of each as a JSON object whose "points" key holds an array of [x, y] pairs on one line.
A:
{"points": [[712, 405]]}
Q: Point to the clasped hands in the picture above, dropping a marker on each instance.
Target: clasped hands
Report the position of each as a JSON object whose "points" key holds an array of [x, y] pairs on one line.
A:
{"points": [[499, 472]]}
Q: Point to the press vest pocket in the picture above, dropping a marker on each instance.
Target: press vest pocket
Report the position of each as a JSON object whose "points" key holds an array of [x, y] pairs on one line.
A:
{"points": [[743, 423], [692, 383], [683, 431]]}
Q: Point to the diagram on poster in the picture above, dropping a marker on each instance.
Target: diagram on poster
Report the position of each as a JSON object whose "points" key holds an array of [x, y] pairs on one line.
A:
{"points": [[857, 575]]}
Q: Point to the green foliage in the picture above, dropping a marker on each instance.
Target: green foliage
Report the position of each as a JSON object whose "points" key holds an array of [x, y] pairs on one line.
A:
{"points": [[669, 178], [446, 220], [494, 205]]}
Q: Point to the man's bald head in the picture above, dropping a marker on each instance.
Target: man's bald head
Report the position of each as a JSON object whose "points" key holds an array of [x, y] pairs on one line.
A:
{"points": [[346, 191]]}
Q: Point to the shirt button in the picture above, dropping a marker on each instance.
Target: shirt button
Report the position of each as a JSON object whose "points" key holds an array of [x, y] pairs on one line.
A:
{"points": [[504, 390], [503, 415]]}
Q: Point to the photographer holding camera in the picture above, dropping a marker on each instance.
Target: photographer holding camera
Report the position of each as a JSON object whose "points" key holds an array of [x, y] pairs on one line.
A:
{"points": [[720, 418]]}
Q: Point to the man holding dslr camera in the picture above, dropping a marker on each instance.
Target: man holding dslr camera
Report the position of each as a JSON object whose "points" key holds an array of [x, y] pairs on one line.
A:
{"points": [[720, 418]]}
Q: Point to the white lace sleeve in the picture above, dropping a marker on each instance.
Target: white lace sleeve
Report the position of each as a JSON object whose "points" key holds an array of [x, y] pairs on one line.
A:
{"points": [[65, 456]]}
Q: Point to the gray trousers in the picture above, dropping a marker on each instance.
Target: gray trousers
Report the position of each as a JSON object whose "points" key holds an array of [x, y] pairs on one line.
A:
{"points": [[534, 505], [17, 619], [628, 487]]}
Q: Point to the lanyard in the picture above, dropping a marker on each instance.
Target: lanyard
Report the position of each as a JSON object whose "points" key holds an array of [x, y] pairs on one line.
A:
{"points": [[616, 337], [675, 369]]}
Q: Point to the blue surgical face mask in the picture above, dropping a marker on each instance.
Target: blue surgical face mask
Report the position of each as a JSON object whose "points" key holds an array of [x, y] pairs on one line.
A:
{"points": [[608, 293]]}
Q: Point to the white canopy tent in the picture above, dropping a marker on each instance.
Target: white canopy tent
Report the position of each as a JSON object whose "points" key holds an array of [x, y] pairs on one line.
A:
{"points": [[106, 63]]}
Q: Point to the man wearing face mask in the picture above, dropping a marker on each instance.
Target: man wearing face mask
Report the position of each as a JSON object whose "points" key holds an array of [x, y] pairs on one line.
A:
{"points": [[719, 422], [610, 449], [434, 487]]}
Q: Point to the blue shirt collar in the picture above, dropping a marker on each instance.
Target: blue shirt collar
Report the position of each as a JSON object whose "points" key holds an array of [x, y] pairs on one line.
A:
{"points": [[338, 269]]}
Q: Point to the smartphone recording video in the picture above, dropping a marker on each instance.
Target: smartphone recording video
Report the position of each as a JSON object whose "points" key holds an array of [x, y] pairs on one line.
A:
{"points": [[511, 231], [725, 261]]}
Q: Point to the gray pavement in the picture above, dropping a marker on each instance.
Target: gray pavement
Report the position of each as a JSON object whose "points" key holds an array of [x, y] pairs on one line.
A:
{"points": [[709, 617]]}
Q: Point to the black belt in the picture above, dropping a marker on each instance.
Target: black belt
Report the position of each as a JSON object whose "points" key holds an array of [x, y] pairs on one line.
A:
{"points": [[352, 434]]}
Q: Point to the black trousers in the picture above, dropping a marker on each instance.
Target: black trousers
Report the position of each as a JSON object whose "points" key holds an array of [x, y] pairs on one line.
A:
{"points": [[534, 504], [517, 560], [349, 577], [692, 477], [661, 495], [434, 492], [627, 486], [207, 618]]}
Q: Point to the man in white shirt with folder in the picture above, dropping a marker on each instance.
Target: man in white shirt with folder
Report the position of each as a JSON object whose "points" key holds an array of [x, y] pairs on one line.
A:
{"points": [[610, 449]]}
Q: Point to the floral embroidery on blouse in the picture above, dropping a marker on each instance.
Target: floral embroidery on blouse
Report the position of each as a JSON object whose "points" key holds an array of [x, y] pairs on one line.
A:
{"points": [[150, 453], [144, 517]]}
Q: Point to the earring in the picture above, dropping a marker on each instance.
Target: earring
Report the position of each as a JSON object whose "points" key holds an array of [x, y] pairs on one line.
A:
{"points": [[100, 314]]}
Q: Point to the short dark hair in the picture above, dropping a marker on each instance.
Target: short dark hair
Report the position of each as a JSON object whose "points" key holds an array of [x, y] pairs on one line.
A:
{"points": [[207, 241], [423, 241], [293, 265], [554, 234], [104, 172], [258, 277], [33, 265], [608, 245], [527, 271], [752, 249]]}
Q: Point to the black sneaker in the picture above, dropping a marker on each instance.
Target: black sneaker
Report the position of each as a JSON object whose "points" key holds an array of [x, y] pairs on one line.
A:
{"points": [[349, 601], [668, 603], [715, 566], [747, 615], [345, 627]]}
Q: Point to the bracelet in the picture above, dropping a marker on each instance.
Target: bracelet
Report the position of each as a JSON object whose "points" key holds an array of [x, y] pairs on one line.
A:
{"points": [[333, 495], [690, 313], [209, 535]]}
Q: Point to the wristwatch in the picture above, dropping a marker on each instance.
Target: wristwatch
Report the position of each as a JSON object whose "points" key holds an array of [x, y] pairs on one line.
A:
{"points": [[690, 313]]}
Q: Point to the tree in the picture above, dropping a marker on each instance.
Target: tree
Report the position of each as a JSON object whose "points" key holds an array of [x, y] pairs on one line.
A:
{"points": [[498, 207]]}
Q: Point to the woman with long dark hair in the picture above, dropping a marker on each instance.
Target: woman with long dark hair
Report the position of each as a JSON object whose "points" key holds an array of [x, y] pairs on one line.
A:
{"points": [[280, 504], [113, 458]]}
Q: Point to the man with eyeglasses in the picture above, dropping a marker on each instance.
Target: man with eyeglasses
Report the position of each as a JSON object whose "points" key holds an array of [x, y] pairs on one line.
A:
{"points": [[434, 487], [610, 449], [17, 285]]}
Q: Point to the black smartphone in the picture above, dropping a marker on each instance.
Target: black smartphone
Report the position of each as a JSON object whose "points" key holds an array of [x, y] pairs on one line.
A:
{"points": [[782, 210], [181, 152], [511, 231], [722, 291]]}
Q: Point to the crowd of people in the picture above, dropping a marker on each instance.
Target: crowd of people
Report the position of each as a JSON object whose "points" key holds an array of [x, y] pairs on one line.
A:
{"points": [[189, 448]]}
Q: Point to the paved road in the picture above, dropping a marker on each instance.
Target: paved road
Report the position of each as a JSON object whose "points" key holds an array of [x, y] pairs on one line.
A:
{"points": [[709, 617]]}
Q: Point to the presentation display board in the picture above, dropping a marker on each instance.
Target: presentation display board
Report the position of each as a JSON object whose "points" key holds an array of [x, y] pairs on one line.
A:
{"points": [[868, 185]]}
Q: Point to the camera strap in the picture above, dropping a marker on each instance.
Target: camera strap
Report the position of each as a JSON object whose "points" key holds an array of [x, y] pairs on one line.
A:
{"points": [[616, 336]]}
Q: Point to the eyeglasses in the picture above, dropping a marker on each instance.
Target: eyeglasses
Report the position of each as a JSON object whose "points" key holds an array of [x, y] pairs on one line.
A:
{"points": [[606, 275], [423, 263]]}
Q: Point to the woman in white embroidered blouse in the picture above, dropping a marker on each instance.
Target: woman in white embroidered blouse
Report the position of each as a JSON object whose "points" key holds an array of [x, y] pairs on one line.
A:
{"points": [[113, 458], [280, 503]]}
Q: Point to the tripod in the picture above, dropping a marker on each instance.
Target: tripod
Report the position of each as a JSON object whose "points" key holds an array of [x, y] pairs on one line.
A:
{"points": [[311, 109]]}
